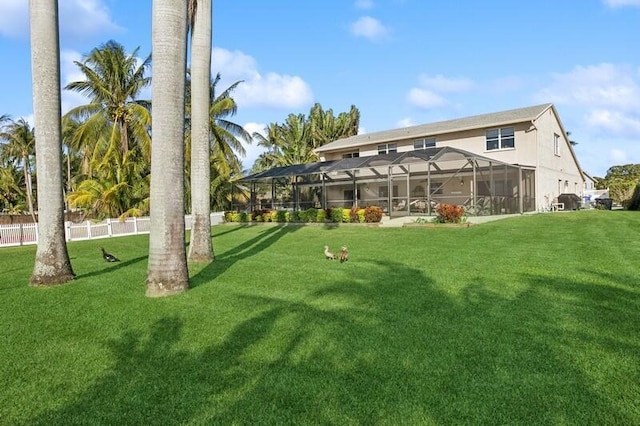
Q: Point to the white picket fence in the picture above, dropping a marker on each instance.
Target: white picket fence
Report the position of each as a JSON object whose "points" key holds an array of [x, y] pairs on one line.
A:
{"points": [[27, 233]]}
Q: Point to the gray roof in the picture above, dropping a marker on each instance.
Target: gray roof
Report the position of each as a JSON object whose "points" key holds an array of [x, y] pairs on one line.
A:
{"points": [[512, 116], [348, 164]]}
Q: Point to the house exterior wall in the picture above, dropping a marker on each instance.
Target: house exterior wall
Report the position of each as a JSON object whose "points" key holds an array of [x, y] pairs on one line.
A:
{"points": [[557, 170]]}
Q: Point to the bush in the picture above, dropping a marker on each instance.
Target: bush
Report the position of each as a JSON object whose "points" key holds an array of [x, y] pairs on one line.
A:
{"points": [[321, 216], [346, 215], [448, 213], [282, 216], [335, 215], [634, 202], [353, 215], [372, 214]]}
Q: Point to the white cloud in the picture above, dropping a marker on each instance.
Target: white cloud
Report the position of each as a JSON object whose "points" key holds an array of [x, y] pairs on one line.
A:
{"points": [[253, 151], [443, 84], [14, 18], [364, 4], [608, 95], [405, 122], [270, 90], [594, 86], [78, 18], [81, 18], [430, 90], [622, 3], [369, 28], [425, 98], [618, 156], [614, 122]]}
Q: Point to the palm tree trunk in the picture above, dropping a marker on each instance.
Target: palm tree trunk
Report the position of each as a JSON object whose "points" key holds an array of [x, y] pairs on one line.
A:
{"points": [[167, 272], [200, 247], [26, 168], [52, 264]]}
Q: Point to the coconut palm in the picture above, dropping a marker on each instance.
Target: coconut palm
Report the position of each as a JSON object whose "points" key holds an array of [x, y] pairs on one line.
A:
{"points": [[200, 246], [19, 147], [52, 264], [115, 120], [167, 272]]}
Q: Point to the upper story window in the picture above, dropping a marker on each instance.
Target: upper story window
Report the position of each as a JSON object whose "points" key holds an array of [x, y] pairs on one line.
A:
{"points": [[556, 144], [355, 154], [501, 138], [387, 148], [424, 143]]}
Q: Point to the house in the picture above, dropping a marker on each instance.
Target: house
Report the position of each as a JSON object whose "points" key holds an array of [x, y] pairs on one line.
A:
{"points": [[512, 161]]}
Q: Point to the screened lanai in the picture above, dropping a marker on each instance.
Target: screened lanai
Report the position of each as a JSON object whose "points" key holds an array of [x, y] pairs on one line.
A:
{"points": [[401, 183]]}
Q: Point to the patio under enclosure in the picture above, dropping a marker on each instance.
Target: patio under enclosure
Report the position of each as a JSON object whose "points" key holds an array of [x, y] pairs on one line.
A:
{"points": [[401, 183]]}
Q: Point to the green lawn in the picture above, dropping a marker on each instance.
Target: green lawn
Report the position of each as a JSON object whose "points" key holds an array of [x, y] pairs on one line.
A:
{"points": [[526, 320]]}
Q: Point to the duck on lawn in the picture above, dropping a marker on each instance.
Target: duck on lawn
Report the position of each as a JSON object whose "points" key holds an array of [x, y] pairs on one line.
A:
{"points": [[108, 257]]}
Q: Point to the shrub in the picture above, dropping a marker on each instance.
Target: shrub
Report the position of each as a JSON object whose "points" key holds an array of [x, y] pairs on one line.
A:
{"points": [[634, 202], [346, 215], [448, 213], [335, 215], [282, 216], [360, 215], [244, 217], [353, 215], [321, 216], [311, 215], [372, 214]]}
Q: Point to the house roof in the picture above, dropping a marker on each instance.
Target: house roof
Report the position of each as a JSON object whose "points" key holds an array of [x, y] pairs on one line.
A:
{"points": [[348, 164], [512, 116]]}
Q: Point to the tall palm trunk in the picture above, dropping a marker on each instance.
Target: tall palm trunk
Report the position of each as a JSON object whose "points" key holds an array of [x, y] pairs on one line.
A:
{"points": [[167, 272], [52, 264], [200, 247], [26, 169]]}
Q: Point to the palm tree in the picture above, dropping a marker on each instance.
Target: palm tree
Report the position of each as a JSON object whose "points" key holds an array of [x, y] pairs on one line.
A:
{"points": [[115, 121], [200, 19], [20, 147], [225, 140], [167, 272], [52, 264], [111, 133]]}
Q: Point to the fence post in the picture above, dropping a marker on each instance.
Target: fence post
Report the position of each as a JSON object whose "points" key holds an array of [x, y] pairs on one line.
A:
{"points": [[135, 225], [67, 231], [109, 232], [88, 229], [21, 233]]}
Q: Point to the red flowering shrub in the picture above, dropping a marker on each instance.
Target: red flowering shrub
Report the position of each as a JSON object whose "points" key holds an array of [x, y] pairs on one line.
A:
{"points": [[372, 214], [448, 213]]}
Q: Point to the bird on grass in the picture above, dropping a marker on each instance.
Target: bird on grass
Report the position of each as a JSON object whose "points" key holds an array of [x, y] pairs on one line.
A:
{"points": [[344, 254], [328, 254], [108, 257]]}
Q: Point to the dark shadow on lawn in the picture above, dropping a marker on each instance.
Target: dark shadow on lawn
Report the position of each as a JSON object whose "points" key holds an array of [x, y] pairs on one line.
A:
{"points": [[112, 267], [386, 345], [255, 245]]}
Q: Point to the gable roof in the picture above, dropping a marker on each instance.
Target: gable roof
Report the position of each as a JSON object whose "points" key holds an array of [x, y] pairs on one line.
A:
{"points": [[501, 118]]}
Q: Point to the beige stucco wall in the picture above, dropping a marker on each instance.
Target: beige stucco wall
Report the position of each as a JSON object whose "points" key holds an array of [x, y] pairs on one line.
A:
{"points": [[555, 174]]}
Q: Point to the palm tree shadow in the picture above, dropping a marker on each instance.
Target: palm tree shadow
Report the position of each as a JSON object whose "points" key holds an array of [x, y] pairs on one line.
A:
{"points": [[242, 251], [113, 267]]}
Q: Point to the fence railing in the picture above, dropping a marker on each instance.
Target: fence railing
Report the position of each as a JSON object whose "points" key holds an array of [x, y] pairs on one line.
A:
{"points": [[27, 233]]}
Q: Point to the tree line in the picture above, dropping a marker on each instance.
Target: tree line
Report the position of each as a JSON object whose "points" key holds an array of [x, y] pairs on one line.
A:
{"points": [[116, 156]]}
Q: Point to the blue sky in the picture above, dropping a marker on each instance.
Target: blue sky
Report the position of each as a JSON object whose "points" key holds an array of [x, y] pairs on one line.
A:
{"points": [[400, 62]]}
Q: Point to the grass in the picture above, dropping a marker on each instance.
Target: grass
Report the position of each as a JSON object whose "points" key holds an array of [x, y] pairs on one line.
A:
{"points": [[527, 320]]}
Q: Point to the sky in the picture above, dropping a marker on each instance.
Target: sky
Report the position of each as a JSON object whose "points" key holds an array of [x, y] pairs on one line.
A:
{"points": [[400, 62]]}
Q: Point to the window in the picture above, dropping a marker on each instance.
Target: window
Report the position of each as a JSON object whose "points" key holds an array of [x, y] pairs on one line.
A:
{"points": [[351, 155], [424, 143], [383, 191], [387, 148], [435, 188], [556, 144], [500, 138]]}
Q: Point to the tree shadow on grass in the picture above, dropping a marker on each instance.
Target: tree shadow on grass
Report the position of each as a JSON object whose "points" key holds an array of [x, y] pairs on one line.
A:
{"points": [[114, 266], [386, 345], [247, 248]]}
